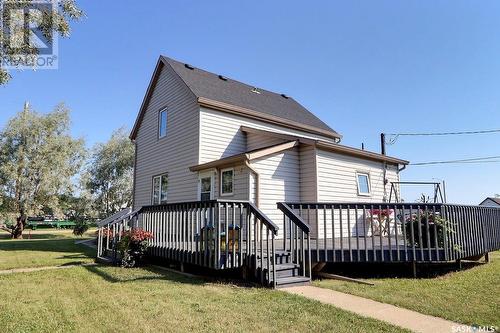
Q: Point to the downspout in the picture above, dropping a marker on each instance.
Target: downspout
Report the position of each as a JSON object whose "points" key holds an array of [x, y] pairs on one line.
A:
{"points": [[257, 182], [385, 199]]}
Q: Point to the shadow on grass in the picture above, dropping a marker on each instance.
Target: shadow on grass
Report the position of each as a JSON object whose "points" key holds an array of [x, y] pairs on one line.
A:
{"points": [[65, 245], [397, 270], [124, 275], [27, 236]]}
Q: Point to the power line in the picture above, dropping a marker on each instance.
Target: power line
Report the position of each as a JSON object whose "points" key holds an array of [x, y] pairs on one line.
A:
{"points": [[470, 162], [395, 136], [447, 133], [489, 159]]}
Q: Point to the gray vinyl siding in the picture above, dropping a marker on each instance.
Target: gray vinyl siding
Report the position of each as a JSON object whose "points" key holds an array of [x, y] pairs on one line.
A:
{"points": [[337, 178], [308, 174], [257, 141], [221, 135], [308, 182], [174, 153], [337, 182], [279, 181], [240, 184]]}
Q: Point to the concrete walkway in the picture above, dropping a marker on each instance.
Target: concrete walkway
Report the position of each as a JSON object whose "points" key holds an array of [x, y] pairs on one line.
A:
{"points": [[408, 319], [87, 242], [44, 268]]}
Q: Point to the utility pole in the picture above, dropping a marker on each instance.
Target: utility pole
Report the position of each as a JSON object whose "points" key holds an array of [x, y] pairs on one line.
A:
{"points": [[382, 143]]}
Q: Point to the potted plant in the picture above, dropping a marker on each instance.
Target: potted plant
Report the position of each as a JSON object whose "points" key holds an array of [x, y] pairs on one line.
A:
{"points": [[426, 222]]}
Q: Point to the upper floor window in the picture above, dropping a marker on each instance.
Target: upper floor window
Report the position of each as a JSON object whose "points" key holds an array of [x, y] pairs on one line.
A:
{"points": [[227, 180], [160, 187], [364, 187], [162, 124]]}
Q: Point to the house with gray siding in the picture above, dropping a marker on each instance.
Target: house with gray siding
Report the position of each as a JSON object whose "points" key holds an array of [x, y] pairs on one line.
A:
{"points": [[232, 177], [202, 136]]}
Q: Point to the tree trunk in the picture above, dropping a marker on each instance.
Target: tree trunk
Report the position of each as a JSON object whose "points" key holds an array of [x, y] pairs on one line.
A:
{"points": [[18, 230]]}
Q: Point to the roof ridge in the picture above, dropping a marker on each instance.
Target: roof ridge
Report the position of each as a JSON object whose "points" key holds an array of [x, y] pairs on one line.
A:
{"points": [[228, 77]]}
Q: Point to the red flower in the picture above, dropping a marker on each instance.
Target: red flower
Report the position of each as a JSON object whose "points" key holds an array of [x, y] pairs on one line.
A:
{"points": [[381, 212], [137, 235]]}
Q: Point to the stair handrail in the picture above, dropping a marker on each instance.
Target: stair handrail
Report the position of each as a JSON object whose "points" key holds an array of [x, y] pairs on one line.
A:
{"points": [[302, 254], [299, 221], [257, 212]]}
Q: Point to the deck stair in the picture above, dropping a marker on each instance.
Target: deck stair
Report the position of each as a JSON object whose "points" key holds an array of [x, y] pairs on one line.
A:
{"points": [[287, 273]]}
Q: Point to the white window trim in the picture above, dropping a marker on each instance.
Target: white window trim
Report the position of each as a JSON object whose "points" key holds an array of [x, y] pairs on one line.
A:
{"points": [[159, 123], [229, 193], [206, 174], [367, 174], [159, 193]]}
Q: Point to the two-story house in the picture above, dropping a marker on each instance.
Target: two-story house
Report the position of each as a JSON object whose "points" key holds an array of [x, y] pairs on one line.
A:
{"points": [[201, 135]]}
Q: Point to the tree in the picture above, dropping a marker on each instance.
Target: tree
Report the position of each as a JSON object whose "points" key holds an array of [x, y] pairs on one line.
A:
{"points": [[49, 22], [38, 158], [110, 174]]}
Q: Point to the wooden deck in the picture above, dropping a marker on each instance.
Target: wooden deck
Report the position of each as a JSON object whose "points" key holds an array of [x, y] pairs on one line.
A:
{"points": [[223, 235]]}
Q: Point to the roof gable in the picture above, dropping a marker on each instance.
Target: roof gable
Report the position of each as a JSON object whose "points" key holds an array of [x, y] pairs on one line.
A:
{"points": [[492, 199]]}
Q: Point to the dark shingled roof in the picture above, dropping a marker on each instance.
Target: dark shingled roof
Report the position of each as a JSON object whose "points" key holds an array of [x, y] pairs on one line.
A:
{"points": [[495, 200], [211, 86]]}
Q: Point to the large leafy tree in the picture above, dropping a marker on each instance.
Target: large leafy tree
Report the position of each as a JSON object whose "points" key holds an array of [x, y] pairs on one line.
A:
{"points": [[49, 22], [110, 174], [38, 159]]}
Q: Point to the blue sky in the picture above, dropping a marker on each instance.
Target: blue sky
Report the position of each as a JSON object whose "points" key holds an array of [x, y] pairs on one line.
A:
{"points": [[364, 67]]}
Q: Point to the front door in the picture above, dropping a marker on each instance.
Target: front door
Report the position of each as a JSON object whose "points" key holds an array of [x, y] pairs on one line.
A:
{"points": [[206, 188]]}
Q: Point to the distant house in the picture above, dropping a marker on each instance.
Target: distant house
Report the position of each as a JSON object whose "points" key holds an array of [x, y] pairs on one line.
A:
{"points": [[202, 136], [490, 202]]}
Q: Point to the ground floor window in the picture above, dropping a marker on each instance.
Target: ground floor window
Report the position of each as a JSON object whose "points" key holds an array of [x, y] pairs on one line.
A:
{"points": [[160, 188], [206, 181], [227, 180], [363, 183]]}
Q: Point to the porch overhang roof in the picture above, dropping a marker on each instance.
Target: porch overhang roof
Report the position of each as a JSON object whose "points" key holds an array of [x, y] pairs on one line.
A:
{"points": [[245, 157]]}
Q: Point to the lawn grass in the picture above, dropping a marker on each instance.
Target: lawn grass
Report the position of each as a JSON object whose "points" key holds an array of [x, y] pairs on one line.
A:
{"points": [[112, 299], [47, 247], [470, 296]]}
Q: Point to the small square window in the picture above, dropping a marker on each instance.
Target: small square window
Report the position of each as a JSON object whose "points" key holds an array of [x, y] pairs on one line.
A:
{"points": [[363, 184], [227, 180], [162, 124]]}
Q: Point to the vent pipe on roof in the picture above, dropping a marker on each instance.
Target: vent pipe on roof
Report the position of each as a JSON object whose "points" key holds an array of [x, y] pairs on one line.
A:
{"points": [[222, 77], [284, 96], [188, 66], [382, 143], [255, 90]]}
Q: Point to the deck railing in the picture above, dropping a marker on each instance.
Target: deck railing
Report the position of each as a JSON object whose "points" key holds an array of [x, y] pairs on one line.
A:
{"points": [[110, 233], [216, 234], [397, 232]]}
